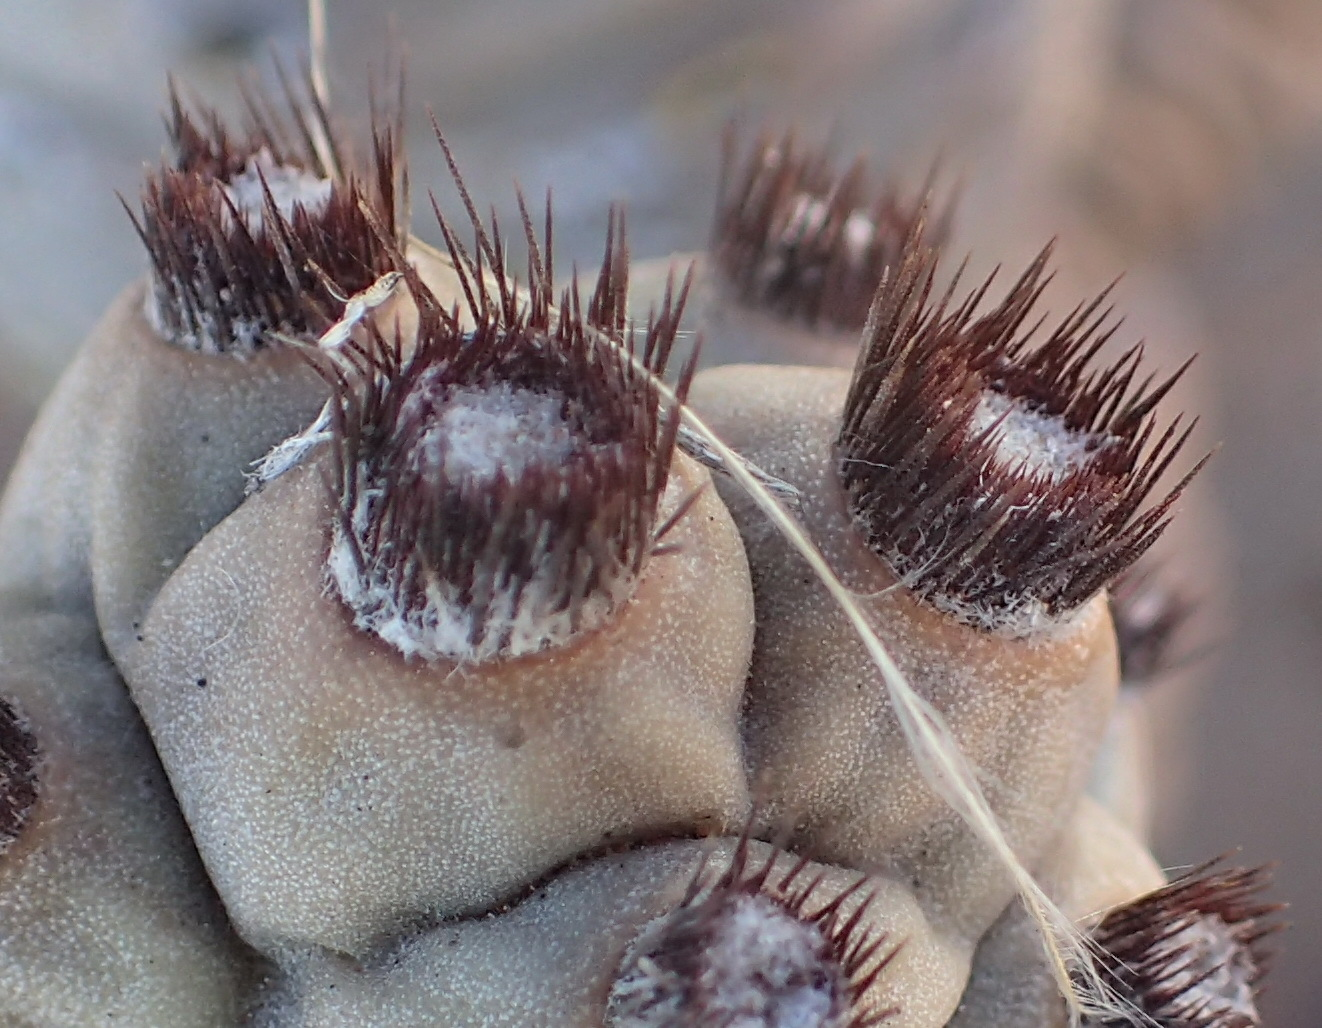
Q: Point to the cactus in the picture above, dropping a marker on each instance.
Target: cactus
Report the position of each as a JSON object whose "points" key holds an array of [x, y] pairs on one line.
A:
{"points": [[384, 640]]}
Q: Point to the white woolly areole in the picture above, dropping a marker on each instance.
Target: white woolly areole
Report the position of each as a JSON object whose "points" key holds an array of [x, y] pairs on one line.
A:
{"points": [[290, 188], [1042, 443], [1044, 446], [443, 627], [501, 429], [247, 333], [1026, 618], [809, 217], [761, 967], [1215, 973], [479, 436]]}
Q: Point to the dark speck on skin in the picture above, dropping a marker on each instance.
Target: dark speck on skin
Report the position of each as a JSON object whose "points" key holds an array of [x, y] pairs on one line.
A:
{"points": [[512, 736]]}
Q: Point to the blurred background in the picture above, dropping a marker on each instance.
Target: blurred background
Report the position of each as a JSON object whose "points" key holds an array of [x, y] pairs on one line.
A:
{"points": [[1179, 142]]}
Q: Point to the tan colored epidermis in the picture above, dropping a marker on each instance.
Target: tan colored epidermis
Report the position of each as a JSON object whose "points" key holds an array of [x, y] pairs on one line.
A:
{"points": [[822, 740], [338, 792], [1123, 771], [1096, 863], [132, 404], [105, 890], [178, 429], [177, 433], [551, 959], [731, 330], [105, 912]]}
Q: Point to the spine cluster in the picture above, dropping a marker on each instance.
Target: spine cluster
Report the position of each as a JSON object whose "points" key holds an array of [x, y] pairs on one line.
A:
{"points": [[756, 945], [1193, 953], [499, 485], [498, 700], [19, 760], [1003, 481], [799, 238], [265, 231]]}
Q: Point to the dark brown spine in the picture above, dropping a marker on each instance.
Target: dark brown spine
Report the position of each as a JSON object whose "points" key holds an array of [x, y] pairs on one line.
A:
{"points": [[223, 279], [19, 759], [1003, 482]]}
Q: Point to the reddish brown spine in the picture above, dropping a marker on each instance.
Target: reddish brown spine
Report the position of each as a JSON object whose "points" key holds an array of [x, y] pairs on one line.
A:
{"points": [[503, 543], [1005, 483], [226, 275], [800, 238], [1193, 954], [19, 758]]}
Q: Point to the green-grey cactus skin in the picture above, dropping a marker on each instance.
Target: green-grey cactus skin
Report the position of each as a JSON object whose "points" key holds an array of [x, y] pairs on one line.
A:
{"points": [[225, 799], [106, 911], [556, 958], [177, 434], [819, 724], [424, 788]]}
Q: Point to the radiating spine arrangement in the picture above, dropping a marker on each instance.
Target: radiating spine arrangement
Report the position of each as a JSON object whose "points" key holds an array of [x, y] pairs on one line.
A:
{"points": [[389, 659], [499, 486], [1193, 952], [261, 233], [800, 240], [1002, 484]]}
